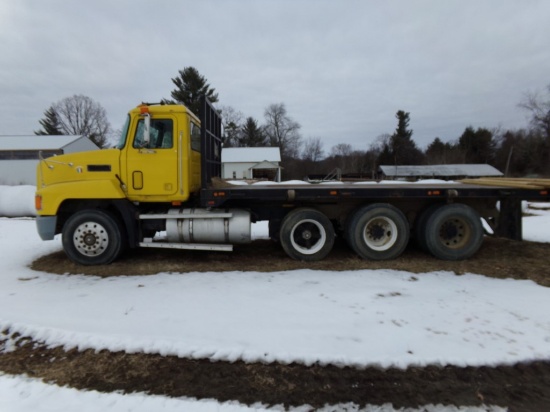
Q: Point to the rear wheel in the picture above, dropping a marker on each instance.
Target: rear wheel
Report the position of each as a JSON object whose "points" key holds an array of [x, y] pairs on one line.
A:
{"points": [[378, 232], [306, 234], [420, 226], [92, 237], [453, 232]]}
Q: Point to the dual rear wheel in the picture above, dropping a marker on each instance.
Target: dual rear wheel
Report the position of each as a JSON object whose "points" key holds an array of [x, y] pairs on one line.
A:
{"points": [[378, 232], [450, 232]]}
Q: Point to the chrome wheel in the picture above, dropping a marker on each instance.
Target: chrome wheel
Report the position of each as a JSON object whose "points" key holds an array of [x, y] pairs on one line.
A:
{"points": [[91, 239]]}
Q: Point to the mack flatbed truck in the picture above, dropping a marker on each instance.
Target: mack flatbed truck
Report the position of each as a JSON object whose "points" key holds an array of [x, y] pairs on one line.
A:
{"points": [[164, 177]]}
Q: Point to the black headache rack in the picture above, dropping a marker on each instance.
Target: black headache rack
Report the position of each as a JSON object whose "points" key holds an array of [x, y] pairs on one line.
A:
{"points": [[211, 142]]}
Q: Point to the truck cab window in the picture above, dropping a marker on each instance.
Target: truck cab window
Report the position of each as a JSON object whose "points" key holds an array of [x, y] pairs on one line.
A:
{"points": [[195, 137], [124, 133], [160, 134]]}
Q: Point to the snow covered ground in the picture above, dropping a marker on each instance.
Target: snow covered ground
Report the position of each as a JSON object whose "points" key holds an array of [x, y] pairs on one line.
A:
{"points": [[369, 317]]}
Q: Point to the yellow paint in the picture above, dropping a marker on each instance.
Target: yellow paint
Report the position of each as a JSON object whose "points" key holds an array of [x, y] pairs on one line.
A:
{"points": [[53, 196]]}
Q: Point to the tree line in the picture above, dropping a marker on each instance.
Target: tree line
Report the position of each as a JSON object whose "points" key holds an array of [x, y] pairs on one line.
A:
{"points": [[521, 152]]}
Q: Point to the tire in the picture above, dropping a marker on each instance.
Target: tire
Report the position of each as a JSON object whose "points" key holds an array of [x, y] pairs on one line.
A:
{"points": [[378, 232], [453, 232], [420, 227], [92, 237], [306, 234]]}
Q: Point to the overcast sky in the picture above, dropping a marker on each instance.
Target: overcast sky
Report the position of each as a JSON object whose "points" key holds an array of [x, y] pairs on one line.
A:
{"points": [[342, 68]]}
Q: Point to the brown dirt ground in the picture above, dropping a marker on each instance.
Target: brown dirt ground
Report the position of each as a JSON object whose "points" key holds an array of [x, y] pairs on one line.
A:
{"points": [[521, 387]]}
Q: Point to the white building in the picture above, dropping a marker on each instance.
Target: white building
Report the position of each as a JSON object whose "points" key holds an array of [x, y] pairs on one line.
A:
{"points": [[251, 163], [19, 154]]}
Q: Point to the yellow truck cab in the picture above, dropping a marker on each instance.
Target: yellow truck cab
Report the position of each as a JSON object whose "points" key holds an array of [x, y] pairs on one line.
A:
{"points": [[156, 160], [155, 167]]}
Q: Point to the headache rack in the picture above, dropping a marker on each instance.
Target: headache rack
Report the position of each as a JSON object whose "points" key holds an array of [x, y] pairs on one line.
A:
{"points": [[211, 142]]}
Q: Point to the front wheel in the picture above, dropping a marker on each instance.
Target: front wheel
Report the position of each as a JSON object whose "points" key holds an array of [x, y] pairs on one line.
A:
{"points": [[306, 234], [92, 237], [378, 232]]}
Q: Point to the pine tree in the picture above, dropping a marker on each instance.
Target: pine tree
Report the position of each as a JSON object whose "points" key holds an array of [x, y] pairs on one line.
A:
{"points": [[436, 152], [252, 135], [477, 146], [402, 131], [190, 86], [402, 149], [50, 123]]}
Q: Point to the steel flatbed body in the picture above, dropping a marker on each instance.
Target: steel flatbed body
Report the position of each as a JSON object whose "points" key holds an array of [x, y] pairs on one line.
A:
{"points": [[372, 191]]}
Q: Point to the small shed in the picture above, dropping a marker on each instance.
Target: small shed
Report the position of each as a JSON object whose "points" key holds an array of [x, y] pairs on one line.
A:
{"points": [[251, 163], [445, 172], [19, 154]]}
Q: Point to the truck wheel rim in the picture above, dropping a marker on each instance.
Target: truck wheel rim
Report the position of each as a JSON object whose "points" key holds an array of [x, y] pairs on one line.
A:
{"points": [[91, 239], [308, 236], [380, 233], [454, 233]]}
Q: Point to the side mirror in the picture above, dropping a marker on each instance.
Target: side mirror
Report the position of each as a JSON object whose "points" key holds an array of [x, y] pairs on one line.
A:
{"points": [[146, 129]]}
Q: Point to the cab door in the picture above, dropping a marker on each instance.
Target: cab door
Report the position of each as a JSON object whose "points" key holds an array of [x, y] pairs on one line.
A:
{"points": [[152, 166]]}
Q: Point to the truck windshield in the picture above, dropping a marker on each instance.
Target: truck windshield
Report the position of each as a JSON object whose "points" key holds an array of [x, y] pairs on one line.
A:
{"points": [[123, 134]]}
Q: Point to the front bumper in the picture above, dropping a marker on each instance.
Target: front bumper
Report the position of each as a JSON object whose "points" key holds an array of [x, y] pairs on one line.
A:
{"points": [[46, 226]]}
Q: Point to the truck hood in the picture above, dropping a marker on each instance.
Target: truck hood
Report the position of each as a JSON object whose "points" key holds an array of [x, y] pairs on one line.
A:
{"points": [[92, 165]]}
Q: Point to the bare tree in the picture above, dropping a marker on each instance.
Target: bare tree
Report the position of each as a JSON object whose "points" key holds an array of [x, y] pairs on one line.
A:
{"points": [[539, 110], [378, 153], [341, 149], [282, 131], [232, 121], [80, 115], [341, 154], [359, 162], [313, 150]]}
